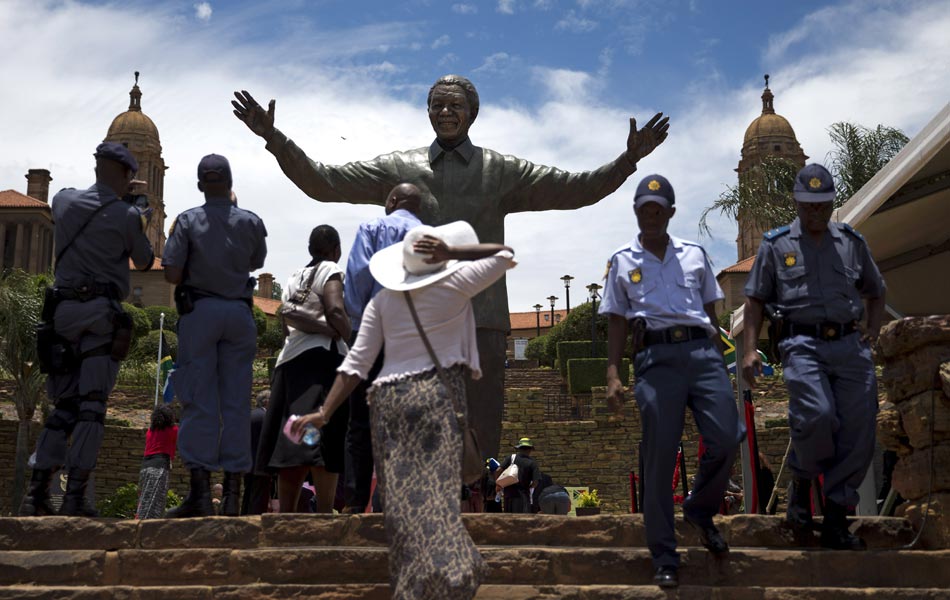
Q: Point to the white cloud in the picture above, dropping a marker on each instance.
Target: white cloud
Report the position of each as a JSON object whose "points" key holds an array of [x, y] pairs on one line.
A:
{"points": [[543, 4], [494, 62], [506, 7], [575, 24], [465, 9], [442, 40], [203, 11], [64, 106]]}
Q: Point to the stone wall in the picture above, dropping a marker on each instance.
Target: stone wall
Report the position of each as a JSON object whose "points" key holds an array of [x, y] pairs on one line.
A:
{"points": [[600, 452], [915, 421], [118, 464]]}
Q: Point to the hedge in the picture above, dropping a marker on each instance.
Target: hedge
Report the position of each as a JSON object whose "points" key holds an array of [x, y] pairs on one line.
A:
{"points": [[585, 373], [154, 315], [569, 350], [141, 324], [146, 349]]}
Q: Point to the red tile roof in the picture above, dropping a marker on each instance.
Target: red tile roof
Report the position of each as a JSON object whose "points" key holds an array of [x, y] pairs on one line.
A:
{"points": [[267, 305], [14, 199], [743, 266], [529, 320]]}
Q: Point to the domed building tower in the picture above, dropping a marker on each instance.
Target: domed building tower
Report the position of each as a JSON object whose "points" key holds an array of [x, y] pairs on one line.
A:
{"points": [[769, 134], [134, 129]]}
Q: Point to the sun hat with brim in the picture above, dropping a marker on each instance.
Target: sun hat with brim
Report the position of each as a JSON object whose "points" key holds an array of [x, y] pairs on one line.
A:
{"points": [[401, 268], [524, 443]]}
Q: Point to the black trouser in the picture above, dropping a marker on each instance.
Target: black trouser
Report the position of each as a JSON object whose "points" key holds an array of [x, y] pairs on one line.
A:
{"points": [[358, 459]]}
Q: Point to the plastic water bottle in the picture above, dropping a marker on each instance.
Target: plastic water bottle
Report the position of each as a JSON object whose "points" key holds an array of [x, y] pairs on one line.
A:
{"points": [[311, 435]]}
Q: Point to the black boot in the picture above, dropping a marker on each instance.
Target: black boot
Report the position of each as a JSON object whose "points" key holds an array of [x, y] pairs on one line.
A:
{"points": [[74, 502], [798, 514], [834, 531], [198, 502], [36, 502], [231, 500]]}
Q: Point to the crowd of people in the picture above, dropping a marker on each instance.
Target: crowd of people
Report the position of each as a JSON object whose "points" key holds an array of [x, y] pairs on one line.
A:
{"points": [[387, 364]]}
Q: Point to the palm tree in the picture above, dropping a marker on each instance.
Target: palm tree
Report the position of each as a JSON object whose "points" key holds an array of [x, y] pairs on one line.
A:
{"points": [[21, 302], [764, 195], [860, 153]]}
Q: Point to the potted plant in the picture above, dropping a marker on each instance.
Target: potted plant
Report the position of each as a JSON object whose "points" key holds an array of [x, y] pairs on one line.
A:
{"points": [[588, 503]]}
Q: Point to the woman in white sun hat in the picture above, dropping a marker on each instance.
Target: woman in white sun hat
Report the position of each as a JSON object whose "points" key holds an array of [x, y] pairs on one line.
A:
{"points": [[417, 438]]}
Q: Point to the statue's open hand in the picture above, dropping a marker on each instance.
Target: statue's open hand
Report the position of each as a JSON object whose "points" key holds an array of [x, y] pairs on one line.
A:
{"points": [[643, 141], [254, 116]]}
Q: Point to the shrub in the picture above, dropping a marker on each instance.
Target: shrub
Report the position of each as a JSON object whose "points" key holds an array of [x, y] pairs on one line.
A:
{"points": [[123, 502], [585, 373], [154, 316], [141, 324], [260, 320], [571, 349], [271, 341], [588, 499], [576, 327], [137, 373], [147, 348]]}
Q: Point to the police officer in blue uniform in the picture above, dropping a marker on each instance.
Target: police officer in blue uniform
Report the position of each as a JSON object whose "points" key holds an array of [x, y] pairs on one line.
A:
{"points": [[210, 254], [662, 288], [85, 331], [816, 276]]}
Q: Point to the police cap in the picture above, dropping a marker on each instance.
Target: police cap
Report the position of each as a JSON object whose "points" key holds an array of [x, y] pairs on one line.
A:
{"points": [[214, 167], [814, 184], [654, 188], [118, 153]]}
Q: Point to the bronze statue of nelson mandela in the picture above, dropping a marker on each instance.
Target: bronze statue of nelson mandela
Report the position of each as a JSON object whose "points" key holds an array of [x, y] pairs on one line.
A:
{"points": [[473, 184]]}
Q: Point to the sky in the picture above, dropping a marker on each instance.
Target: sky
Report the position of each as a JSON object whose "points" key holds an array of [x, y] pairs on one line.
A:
{"points": [[558, 81]]}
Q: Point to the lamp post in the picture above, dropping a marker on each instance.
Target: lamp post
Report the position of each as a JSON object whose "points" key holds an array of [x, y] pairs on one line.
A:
{"points": [[552, 300], [567, 291], [537, 313], [592, 288]]}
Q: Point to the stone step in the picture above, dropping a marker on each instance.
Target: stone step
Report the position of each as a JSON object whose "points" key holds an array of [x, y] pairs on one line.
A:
{"points": [[300, 530], [524, 565], [486, 592]]}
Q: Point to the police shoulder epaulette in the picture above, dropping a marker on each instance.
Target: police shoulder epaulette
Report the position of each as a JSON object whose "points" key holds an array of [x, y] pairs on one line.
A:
{"points": [[851, 230], [774, 233]]}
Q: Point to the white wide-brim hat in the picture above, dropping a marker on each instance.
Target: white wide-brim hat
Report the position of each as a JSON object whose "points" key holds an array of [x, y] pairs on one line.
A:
{"points": [[401, 268]]}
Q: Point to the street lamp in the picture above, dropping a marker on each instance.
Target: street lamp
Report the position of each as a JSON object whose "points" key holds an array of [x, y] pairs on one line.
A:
{"points": [[537, 313], [567, 291], [552, 300], [592, 288]]}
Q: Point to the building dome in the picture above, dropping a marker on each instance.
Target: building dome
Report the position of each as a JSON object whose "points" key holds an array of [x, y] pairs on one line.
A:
{"points": [[133, 121], [765, 125]]}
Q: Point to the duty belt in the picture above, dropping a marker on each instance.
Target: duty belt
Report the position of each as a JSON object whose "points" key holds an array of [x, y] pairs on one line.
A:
{"points": [[826, 330], [674, 335], [87, 292]]}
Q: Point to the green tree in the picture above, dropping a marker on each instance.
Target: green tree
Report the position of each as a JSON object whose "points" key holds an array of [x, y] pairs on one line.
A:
{"points": [[155, 314], [576, 327], [141, 324], [21, 303], [260, 320], [860, 153], [277, 292]]}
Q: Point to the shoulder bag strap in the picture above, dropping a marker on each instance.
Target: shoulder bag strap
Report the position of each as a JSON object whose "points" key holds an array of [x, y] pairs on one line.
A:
{"points": [[425, 341], [59, 255]]}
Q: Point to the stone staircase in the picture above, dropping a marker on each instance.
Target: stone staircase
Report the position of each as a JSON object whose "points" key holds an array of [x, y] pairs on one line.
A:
{"points": [[531, 557]]}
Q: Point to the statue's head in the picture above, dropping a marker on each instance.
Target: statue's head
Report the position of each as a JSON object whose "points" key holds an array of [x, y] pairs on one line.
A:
{"points": [[453, 106]]}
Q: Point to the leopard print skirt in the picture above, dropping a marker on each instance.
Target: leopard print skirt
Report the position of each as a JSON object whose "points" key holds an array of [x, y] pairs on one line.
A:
{"points": [[418, 448]]}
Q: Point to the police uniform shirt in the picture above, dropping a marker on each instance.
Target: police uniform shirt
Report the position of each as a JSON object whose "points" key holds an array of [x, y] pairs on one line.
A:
{"points": [[101, 252], [218, 245], [810, 283], [668, 293]]}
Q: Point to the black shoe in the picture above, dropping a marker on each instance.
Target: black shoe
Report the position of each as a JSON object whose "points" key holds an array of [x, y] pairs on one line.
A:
{"points": [[666, 577], [74, 501], [798, 514], [231, 499], [198, 502], [834, 531], [36, 502], [709, 535]]}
